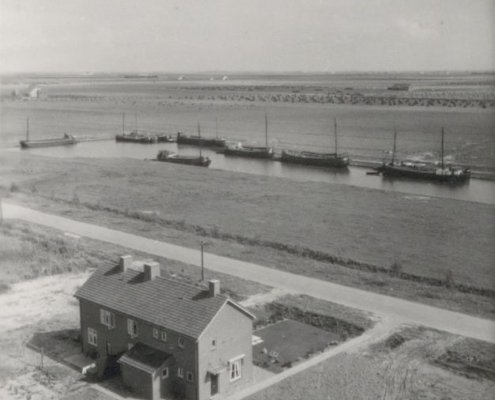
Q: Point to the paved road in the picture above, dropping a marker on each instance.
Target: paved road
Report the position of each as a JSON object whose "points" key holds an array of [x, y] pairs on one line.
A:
{"points": [[401, 311]]}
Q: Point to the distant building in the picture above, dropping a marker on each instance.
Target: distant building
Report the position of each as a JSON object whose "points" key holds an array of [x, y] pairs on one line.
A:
{"points": [[165, 337], [399, 86], [34, 93]]}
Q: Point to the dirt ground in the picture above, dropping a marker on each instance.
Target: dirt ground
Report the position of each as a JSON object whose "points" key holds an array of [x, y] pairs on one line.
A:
{"points": [[388, 370]]}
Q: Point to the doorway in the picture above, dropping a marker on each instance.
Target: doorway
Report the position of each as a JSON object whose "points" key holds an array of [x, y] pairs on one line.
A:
{"points": [[214, 384]]}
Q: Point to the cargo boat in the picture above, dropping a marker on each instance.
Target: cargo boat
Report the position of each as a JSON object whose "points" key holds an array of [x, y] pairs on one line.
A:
{"points": [[168, 156], [65, 140], [135, 137], [333, 160], [166, 139], [438, 172], [197, 140], [240, 150]]}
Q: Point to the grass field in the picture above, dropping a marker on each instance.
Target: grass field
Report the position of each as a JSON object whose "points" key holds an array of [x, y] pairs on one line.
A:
{"points": [[426, 236], [184, 206]]}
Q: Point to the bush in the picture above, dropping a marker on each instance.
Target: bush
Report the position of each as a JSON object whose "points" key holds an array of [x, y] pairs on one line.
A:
{"points": [[449, 279], [14, 187], [396, 269]]}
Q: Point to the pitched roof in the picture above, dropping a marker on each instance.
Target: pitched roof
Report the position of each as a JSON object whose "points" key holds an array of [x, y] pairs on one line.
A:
{"points": [[144, 357], [180, 307]]}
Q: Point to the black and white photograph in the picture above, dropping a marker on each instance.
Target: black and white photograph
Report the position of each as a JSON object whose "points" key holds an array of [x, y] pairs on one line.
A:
{"points": [[247, 199]]}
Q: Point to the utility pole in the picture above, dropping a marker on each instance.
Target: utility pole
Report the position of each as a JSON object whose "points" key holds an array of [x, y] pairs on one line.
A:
{"points": [[202, 244]]}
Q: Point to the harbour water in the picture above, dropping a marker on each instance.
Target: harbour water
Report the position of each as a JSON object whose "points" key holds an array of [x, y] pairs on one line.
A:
{"points": [[475, 190]]}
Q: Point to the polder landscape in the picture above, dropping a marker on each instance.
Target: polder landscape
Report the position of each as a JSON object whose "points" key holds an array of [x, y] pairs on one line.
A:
{"points": [[414, 243]]}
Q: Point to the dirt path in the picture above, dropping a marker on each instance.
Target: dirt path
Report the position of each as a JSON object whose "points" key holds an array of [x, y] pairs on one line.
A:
{"points": [[401, 311]]}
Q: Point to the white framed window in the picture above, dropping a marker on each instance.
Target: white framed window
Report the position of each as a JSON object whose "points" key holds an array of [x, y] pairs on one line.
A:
{"points": [[107, 318], [156, 333], [92, 337], [163, 336], [165, 373], [235, 368], [189, 376], [180, 372], [132, 328], [181, 342]]}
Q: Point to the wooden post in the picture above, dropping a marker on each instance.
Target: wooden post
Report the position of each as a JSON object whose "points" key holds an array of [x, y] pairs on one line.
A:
{"points": [[42, 355], [202, 243]]}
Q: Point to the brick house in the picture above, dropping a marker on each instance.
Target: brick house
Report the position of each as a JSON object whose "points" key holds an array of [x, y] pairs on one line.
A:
{"points": [[167, 338]]}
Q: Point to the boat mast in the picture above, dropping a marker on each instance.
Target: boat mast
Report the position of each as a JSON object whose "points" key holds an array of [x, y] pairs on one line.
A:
{"points": [[442, 148], [200, 141], [27, 129], [393, 151], [335, 133], [266, 131]]}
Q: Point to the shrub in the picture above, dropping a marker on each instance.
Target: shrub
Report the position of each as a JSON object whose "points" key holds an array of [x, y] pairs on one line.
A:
{"points": [[396, 269], [14, 187], [449, 279]]}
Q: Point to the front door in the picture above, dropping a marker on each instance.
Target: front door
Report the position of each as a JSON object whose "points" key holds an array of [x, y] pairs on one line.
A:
{"points": [[214, 384]]}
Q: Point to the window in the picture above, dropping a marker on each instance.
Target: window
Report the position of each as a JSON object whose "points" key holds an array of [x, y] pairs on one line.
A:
{"points": [[155, 333], [180, 372], [180, 342], [236, 368], [92, 336], [163, 336], [189, 376], [132, 328], [165, 373], [107, 318]]}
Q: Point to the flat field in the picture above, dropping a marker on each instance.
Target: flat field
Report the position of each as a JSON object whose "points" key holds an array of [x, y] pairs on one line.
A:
{"points": [[426, 236]]}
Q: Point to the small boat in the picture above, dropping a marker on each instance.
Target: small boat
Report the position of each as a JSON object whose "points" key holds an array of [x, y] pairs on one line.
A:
{"points": [[135, 137], [241, 150], [333, 160], [197, 140], [168, 156], [318, 159], [166, 139], [439, 172], [65, 140], [248, 151]]}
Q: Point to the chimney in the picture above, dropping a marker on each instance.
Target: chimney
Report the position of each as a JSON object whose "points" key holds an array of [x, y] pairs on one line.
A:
{"points": [[214, 287], [125, 263], [151, 270]]}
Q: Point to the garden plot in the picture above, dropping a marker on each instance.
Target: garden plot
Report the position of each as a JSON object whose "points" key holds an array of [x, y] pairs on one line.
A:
{"points": [[287, 342]]}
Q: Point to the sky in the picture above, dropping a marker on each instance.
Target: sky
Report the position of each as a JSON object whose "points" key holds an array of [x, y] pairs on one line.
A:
{"points": [[246, 35]]}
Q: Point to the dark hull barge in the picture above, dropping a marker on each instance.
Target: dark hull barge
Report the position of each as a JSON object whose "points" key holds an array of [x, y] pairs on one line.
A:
{"points": [[331, 160], [66, 140], [198, 140], [425, 172], [167, 156]]}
